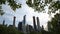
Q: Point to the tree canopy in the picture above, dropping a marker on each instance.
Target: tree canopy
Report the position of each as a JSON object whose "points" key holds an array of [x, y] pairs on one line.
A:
{"points": [[9, 30], [12, 3], [55, 24], [39, 5]]}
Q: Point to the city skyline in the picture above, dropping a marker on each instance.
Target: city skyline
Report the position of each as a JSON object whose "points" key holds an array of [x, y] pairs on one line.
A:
{"points": [[30, 17], [9, 13]]}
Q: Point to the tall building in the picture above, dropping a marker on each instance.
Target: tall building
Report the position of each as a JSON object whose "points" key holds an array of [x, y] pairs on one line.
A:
{"points": [[29, 28], [23, 24], [20, 26], [34, 23], [14, 18], [3, 22], [24, 19], [42, 28], [38, 24]]}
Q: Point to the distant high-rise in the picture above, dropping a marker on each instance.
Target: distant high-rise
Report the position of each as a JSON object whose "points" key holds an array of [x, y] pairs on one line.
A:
{"points": [[20, 26], [34, 23], [38, 24], [24, 19], [23, 24], [14, 18], [3, 22], [42, 27], [29, 28]]}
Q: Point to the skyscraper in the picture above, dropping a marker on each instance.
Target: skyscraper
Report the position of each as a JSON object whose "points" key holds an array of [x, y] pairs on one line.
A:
{"points": [[14, 18], [23, 24], [34, 23], [24, 19], [20, 26], [42, 27], [29, 28], [38, 24], [3, 22]]}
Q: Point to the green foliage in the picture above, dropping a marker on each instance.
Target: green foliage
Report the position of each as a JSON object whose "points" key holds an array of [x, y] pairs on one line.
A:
{"points": [[35, 32], [39, 5], [36, 4], [1, 11], [48, 1], [9, 30], [2, 1], [54, 6], [55, 22], [29, 3], [12, 3]]}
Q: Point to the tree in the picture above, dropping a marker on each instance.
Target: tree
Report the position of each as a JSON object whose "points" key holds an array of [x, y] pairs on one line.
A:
{"points": [[12, 3], [38, 5], [9, 30], [55, 24]]}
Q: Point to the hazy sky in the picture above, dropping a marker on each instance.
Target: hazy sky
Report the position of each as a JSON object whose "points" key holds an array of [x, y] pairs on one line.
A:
{"points": [[25, 10]]}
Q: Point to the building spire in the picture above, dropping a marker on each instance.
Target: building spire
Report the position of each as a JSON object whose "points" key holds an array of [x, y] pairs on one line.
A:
{"points": [[34, 23], [24, 19], [14, 18], [23, 24], [3, 22], [38, 23]]}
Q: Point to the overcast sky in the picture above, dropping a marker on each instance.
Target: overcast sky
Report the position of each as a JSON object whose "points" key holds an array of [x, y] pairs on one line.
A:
{"points": [[25, 10]]}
